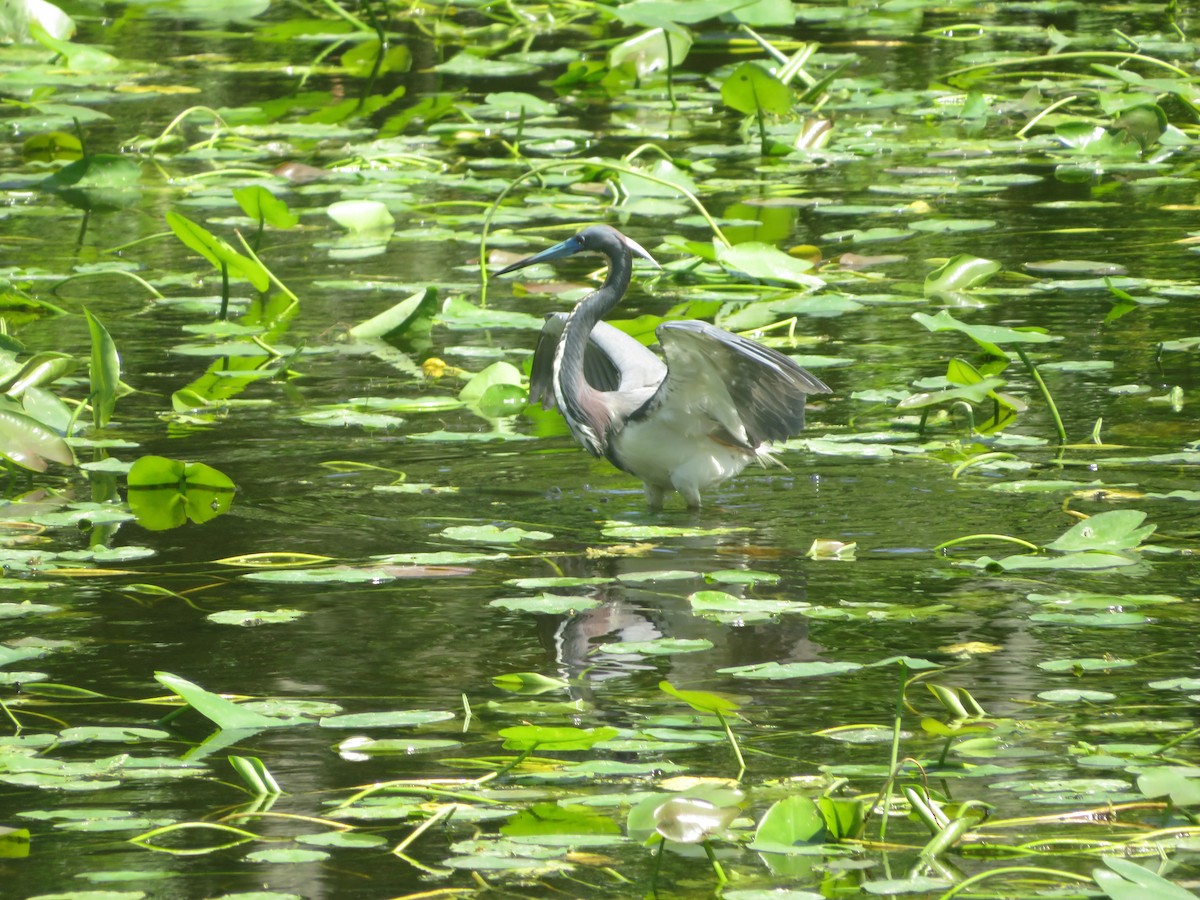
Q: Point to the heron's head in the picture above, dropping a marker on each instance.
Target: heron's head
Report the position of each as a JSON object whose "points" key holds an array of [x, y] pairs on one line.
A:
{"points": [[596, 239]]}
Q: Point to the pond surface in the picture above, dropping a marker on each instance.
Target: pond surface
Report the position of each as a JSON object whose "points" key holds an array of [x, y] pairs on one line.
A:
{"points": [[453, 541]]}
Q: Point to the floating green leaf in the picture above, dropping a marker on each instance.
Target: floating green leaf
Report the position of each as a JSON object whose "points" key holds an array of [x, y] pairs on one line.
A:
{"points": [[1118, 529], [164, 493], [775, 671]]}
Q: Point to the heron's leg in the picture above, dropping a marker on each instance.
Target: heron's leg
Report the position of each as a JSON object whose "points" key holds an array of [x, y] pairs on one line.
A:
{"points": [[654, 496]]}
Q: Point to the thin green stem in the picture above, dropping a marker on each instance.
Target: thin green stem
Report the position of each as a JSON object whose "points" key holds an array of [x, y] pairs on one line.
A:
{"points": [[121, 272], [11, 717], [271, 275], [670, 70], [444, 813], [241, 837], [1037, 377], [737, 751], [987, 537], [1062, 57], [338, 10], [722, 880], [174, 123], [1057, 104], [1012, 870], [886, 792], [977, 460], [224, 291]]}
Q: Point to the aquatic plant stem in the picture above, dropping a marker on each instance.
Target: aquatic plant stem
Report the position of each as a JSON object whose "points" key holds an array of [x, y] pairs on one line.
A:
{"points": [[658, 858], [722, 880], [894, 761], [987, 537], [737, 751], [338, 10], [670, 70], [978, 460], [124, 274], [271, 275], [11, 717], [1010, 870], [174, 123], [444, 812], [1037, 377], [224, 314], [242, 836], [1063, 57], [1057, 104]]}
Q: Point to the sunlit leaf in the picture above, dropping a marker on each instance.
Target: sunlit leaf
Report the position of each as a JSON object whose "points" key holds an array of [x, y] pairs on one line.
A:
{"points": [[790, 821], [987, 336], [250, 618], [164, 493], [491, 534], [263, 206], [752, 90], [1124, 879], [255, 775], [362, 216], [393, 719], [774, 671], [217, 251], [222, 712], [548, 738], [960, 273], [527, 682], [701, 701], [767, 263], [547, 604], [30, 444], [1118, 529], [105, 371]]}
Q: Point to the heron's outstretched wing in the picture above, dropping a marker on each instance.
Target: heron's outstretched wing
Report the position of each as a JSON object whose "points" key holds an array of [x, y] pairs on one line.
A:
{"points": [[754, 393], [613, 361]]}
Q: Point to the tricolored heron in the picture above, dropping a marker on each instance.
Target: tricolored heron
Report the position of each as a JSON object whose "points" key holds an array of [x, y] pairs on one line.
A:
{"points": [[685, 426]]}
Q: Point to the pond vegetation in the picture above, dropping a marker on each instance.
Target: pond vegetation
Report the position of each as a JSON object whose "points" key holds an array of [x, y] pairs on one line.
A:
{"points": [[303, 597]]}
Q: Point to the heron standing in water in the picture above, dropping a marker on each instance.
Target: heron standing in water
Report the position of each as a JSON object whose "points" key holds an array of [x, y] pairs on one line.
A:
{"points": [[686, 425]]}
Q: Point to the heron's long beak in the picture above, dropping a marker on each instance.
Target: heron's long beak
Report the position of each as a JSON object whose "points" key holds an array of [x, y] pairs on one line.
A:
{"points": [[558, 251]]}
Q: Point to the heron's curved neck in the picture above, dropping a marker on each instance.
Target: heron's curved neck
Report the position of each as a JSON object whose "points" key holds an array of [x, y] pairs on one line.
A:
{"points": [[590, 310], [575, 394]]}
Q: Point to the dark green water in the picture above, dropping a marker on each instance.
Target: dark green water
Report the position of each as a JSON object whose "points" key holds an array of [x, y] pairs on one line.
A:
{"points": [[424, 642]]}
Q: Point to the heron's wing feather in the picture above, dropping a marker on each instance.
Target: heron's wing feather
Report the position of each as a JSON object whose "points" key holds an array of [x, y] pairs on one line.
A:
{"points": [[541, 370], [613, 361], [755, 394]]}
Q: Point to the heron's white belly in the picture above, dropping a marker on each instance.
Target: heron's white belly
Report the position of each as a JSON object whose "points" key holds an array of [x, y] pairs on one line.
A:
{"points": [[673, 453]]}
